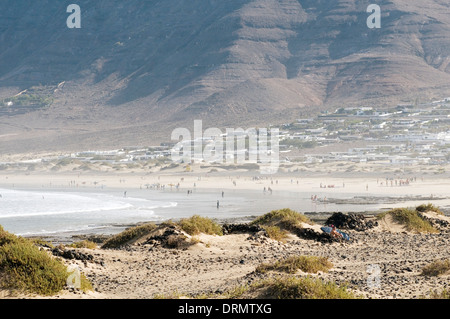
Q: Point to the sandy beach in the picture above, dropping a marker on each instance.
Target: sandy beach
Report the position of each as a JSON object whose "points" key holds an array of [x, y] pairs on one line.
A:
{"points": [[240, 194], [373, 186], [218, 263], [371, 178]]}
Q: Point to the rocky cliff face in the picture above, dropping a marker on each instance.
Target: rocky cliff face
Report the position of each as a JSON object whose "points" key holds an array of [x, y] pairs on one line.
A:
{"points": [[137, 66]]}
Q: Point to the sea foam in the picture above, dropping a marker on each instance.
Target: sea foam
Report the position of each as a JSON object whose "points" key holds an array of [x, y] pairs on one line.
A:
{"points": [[41, 212]]}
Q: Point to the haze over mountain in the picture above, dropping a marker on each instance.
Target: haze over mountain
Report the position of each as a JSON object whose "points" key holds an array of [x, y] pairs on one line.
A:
{"points": [[137, 69]]}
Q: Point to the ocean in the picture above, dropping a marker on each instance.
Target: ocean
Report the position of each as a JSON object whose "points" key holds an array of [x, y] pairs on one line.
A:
{"points": [[47, 212]]}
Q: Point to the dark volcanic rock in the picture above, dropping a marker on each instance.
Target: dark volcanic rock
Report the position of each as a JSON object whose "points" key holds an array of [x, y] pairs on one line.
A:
{"points": [[308, 233], [435, 222], [170, 237], [258, 232], [240, 228], [72, 254], [356, 222]]}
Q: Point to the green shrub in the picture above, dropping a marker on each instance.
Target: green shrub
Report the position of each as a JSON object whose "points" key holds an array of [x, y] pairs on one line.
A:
{"points": [[6, 237], [411, 219], [128, 235], [41, 242], [83, 244], [173, 295], [429, 208], [276, 233], [444, 294], [303, 288], [25, 267], [284, 218], [436, 268], [236, 292], [311, 264], [86, 285], [197, 224], [178, 241], [278, 288]]}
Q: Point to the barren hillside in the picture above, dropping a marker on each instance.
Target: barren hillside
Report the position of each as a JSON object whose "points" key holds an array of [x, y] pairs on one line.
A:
{"points": [[135, 70]]}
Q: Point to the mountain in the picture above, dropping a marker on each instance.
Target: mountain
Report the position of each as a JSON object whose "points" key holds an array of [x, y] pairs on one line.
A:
{"points": [[136, 69]]}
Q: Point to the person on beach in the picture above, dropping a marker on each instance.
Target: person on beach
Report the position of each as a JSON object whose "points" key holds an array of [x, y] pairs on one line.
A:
{"points": [[217, 204], [334, 233]]}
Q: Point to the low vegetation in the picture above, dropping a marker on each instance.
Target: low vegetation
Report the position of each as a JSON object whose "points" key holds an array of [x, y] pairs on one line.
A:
{"points": [[444, 294], [83, 244], [291, 287], [310, 264], [26, 268], [305, 288], [27, 100], [286, 219], [192, 226], [179, 241], [276, 233], [283, 287], [173, 295], [437, 268], [197, 224], [41, 242], [411, 218], [429, 208], [128, 235]]}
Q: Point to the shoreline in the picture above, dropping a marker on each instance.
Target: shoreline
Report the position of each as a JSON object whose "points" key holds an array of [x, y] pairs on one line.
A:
{"points": [[219, 263], [366, 194]]}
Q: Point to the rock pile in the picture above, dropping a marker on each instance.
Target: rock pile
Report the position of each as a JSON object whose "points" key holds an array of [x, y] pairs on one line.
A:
{"points": [[95, 238], [352, 221], [170, 237], [240, 228], [311, 234], [259, 233], [436, 222], [71, 254]]}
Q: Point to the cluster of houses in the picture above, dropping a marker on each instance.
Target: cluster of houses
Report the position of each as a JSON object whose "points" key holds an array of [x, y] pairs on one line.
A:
{"points": [[125, 155], [404, 134]]}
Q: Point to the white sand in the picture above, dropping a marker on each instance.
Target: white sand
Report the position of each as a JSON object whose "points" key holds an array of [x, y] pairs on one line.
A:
{"points": [[219, 263]]}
